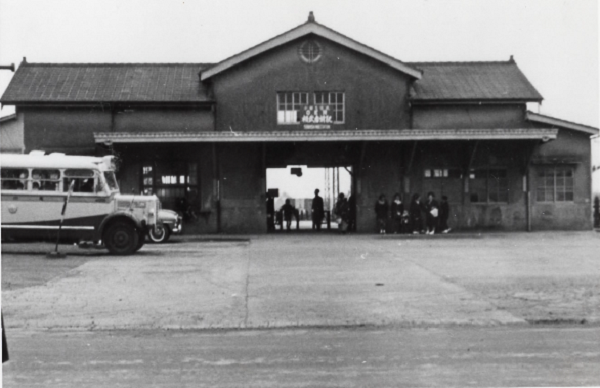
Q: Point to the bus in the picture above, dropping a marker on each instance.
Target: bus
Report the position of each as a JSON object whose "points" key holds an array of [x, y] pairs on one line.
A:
{"points": [[35, 188]]}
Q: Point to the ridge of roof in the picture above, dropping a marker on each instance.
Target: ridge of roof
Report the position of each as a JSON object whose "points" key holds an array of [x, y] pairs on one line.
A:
{"points": [[307, 28], [455, 63], [545, 119], [116, 64]]}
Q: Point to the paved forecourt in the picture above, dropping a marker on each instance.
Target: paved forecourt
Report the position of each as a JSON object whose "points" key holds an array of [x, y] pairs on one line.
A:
{"points": [[317, 280]]}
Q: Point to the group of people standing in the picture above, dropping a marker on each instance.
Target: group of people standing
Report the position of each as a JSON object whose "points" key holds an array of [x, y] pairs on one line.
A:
{"points": [[411, 220], [421, 217]]}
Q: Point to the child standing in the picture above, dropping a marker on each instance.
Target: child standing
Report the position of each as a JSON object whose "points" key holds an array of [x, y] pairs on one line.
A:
{"points": [[397, 212], [381, 212], [432, 213]]}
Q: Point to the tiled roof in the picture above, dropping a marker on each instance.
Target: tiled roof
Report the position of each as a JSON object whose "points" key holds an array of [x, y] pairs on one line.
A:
{"points": [[180, 82], [354, 135], [110, 82], [472, 81]]}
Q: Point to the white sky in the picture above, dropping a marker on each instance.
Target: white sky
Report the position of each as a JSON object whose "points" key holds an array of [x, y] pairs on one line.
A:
{"points": [[555, 42], [304, 186]]}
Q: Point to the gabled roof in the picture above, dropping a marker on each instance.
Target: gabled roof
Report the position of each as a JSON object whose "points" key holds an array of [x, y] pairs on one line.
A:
{"points": [[472, 81], [543, 119], [310, 27], [106, 82]]}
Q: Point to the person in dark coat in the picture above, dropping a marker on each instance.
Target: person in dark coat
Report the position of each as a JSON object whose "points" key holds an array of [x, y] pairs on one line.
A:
{"points": [[288, 211], [341, 213], [444, 214], [431, 213], [270, 213], [397, 212], [352, 213], [416, 221], [381, 212], [318, 211]]}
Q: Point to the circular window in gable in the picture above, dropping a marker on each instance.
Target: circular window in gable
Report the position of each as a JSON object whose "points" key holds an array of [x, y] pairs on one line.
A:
{"points": [[310, 51]]}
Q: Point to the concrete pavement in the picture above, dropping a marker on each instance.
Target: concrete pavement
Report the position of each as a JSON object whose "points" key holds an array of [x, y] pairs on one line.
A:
{"points": [[320, 280], [366, 357]]}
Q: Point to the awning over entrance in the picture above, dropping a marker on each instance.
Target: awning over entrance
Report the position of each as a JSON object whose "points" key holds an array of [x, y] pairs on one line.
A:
{"points": [[321, 136]]}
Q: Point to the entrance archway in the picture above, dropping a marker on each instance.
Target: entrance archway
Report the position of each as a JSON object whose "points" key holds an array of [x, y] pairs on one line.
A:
{"points": [[297, 184]]}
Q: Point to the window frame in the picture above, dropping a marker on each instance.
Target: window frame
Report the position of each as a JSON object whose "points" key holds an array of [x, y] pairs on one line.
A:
{"points": [[189, 181], [41, 180], [330, 104], [26, 181], [488, 178], [311, 100], [293, 104], [445, 172], [541, 184]]}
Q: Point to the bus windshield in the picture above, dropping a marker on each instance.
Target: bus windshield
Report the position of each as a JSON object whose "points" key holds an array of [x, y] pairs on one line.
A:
{"points": [[111, 181]]}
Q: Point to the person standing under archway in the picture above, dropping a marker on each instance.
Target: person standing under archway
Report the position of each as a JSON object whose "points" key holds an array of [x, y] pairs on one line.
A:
{"points": [[318, 211]]}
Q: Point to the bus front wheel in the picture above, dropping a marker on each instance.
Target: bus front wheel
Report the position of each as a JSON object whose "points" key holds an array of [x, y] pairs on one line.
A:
{"points": [[121, 238]]}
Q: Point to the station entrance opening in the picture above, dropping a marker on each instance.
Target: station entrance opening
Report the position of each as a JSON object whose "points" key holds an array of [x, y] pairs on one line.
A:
{"points": [[294, 170], [296, 185]]}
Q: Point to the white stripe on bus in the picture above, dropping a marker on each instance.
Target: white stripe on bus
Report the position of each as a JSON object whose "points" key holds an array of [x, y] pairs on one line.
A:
{"points": [[45, 227]]}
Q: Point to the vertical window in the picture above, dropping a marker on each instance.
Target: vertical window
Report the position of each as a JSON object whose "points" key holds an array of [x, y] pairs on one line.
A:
{"points": [[488, 185], [555, 184], [148, 179], [289, 106], [333, 103]]}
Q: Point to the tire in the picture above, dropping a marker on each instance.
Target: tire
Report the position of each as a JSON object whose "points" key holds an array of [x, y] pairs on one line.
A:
{"points": [[161, 237], [121, 238]]}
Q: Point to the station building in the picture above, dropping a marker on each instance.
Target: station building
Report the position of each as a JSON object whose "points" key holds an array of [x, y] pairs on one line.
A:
{"points": [[202, 135]]}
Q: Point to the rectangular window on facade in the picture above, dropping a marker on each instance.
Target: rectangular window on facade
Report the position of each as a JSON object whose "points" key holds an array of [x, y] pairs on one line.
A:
{"points": [[290, 106], [443, 181], [315, 108], [333, 104], [488, 185], [555, 184], [452, 173]]}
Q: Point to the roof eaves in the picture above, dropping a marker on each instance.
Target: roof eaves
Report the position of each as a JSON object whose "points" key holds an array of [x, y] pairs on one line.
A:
{"points": [[483, 100], [94, 102], [543, 119], [302, 30], [347, 135], [8, 118]]}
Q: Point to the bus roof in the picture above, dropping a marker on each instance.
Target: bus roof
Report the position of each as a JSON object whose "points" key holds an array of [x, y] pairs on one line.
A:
{"points": [[55, 161]]}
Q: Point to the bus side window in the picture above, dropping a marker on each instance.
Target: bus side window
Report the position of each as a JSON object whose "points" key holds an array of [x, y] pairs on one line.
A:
{"points": [[14, 178], [47, 180], [84, 180]]}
